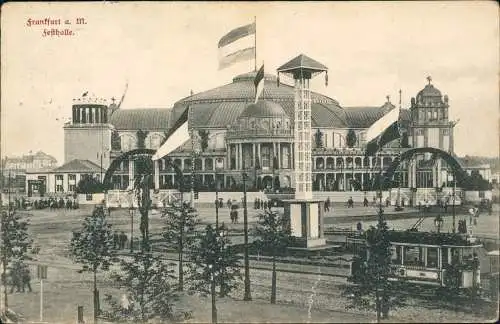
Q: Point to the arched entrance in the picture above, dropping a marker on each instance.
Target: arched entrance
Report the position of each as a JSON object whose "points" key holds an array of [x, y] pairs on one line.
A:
{"points": [[267, 182], [387, 176], [145, 169]]}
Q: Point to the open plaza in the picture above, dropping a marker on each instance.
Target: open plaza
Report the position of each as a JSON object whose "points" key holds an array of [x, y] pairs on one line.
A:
{"points": [[65, 289]]}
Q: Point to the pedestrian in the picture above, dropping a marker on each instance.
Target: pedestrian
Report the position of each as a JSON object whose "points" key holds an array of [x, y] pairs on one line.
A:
{"points": [[216, 202], [365, 202], [15, 277], [229, 203], [26, 277], [350, 203], [123, 240], [116, 240], [328, 203], [265, 205]]}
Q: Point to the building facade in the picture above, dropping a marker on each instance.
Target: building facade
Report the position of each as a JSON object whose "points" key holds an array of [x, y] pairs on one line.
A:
{"points": [[19, 164], [232, 135]]}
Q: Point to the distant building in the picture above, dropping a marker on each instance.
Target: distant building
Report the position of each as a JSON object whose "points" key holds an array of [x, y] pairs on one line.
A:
{"points": [[39, 160], [484, 169], [61, 180]]}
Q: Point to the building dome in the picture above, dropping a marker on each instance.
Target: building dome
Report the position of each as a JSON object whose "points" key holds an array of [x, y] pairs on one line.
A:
{"points": [[429, 91], [263, 108], [222, 106]]}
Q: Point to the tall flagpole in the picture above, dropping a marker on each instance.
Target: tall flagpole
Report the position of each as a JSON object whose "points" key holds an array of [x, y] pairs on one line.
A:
{"points": [[255, 44]]}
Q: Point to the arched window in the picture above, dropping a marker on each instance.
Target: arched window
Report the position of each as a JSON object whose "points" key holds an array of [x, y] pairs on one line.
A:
{"points": [[198, 164], [187, 164], [266, 157], [178, 163], [329, 163], [320, 163], [209, 164], [153, 141], [286, 157], [128, 142]]}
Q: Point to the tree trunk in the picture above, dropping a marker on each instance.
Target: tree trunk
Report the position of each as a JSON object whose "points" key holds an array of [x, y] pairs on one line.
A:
{"points": [[377, 302], [96, 297], [214, 306], [181, 267], [144, 227], [273, 281]]}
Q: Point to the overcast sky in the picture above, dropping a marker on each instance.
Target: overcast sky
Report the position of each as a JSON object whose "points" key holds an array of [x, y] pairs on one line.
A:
{"points": [[165, 50]]}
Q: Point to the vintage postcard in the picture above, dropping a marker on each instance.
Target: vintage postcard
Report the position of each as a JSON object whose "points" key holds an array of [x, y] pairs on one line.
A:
{"points": [[265, 162]]}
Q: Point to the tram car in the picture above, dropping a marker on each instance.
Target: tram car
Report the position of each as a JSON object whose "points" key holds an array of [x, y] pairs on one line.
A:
{"points": [[426, 258]]}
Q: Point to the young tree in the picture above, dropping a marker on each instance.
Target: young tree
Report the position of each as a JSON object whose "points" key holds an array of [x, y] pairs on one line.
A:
{"points": [[214, 263], [15, 244], [179, 231], [371, 289], [150, 294], [274, 236], [89, 185], [93, 248]]}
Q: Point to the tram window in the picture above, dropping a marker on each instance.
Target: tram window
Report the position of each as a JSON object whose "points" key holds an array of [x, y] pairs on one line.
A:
{"points": [[455, 256], [467, 254], [413, 256], [396, 254], [444, 253], [432, 257]]}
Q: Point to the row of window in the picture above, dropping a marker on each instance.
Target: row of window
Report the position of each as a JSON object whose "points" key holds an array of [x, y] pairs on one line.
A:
{"points": [[421, 131], [433, 114], [129, 142]]}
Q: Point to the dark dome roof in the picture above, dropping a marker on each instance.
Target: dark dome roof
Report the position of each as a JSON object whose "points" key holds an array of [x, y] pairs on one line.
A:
{"points": [[263, 108], [429, 91], [221, 106]]}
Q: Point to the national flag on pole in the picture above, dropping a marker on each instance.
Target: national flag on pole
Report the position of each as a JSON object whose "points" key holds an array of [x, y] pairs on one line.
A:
{"points": [[237, 46], [383, 131], [259, 83], [176, 136]]}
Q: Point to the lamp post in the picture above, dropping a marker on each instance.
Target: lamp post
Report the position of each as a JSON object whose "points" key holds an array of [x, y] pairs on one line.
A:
{"points": [[221, 234], [453, 207], [131, 211], [247, 295], [216, 202]]}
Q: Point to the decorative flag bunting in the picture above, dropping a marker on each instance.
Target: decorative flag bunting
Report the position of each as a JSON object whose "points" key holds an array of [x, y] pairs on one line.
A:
{"points": [[259, 83], [383, 131], [176, 136], [237, 46]]}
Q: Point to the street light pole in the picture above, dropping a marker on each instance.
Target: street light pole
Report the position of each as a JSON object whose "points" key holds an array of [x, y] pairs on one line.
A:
{"points": [[216, 203], [453, 207], [248, 295]]}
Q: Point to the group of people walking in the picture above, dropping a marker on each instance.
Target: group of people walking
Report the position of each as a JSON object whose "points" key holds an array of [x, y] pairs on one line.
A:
{"points": [[119, 240], [20, 278]]}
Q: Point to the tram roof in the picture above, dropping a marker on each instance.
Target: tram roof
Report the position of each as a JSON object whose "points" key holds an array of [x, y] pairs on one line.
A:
{"points": [[429, 238]]}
